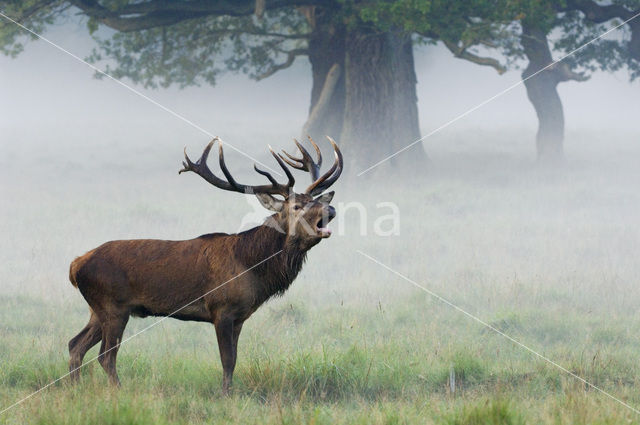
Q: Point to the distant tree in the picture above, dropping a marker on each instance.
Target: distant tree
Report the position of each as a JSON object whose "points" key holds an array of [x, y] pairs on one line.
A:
{"points": [[575, 28], [363, 73], [361, 51], [535, 29]]}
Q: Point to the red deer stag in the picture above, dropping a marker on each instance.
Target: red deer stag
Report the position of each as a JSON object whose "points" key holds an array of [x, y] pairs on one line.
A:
{"points": [[218, 278]]}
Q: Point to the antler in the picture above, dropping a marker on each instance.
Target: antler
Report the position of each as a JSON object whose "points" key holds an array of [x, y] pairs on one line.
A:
{"points": [[200, 167], [306, 163], [327, 179]]}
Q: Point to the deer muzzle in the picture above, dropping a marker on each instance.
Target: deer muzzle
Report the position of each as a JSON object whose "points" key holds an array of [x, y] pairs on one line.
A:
{"points": [[322, 228]]}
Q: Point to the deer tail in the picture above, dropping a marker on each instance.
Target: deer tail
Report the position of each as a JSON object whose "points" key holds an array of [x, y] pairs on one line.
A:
{"points": [[76, 265]]}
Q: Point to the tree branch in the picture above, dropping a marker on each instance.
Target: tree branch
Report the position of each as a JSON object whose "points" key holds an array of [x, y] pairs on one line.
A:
{"points": [[320, 108], [154, 13], [563, 72], [265, 34], [599, 14], [114, 20], [462, 53], [256, 31], [35, 8], [291, 56]]}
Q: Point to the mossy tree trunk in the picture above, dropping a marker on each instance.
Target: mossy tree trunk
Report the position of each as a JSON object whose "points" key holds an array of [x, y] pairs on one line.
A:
{"points": [[364, 93]]}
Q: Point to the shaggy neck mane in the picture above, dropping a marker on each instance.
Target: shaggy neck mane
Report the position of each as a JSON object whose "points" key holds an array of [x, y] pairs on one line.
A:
{"points": [[278, 272]]}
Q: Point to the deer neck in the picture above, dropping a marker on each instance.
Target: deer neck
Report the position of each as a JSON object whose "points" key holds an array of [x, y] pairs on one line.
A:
{"points": [[279, 259]]}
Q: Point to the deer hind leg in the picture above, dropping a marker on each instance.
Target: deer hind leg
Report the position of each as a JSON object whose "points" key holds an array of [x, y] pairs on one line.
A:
{"points": [[81, 343], [112, 330]]}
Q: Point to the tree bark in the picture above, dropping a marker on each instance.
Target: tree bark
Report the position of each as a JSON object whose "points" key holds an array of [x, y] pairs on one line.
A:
{"points": [[326, 49], [381, 105], [322, 108], [543, 94], [372, 109]]}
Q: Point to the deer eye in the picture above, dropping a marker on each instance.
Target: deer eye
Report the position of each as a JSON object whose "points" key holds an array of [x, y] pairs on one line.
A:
{"points": [[297, 207]]}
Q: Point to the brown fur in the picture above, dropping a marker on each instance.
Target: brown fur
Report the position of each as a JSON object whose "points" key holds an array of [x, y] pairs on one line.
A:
{"points": [[217, 278], [76, 264]]}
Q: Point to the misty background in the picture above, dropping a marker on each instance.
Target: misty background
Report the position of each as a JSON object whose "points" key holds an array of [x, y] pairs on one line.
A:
{"points": [[45, 91], [110, 158], [550, 256]]}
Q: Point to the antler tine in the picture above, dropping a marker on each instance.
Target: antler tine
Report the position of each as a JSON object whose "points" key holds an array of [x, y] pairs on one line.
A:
{"points": [[330, 176], [291, 181], [266, 174], [200, 167], [318, 152], [188, 165], [223, 166], [305, 163], [297, 163]]}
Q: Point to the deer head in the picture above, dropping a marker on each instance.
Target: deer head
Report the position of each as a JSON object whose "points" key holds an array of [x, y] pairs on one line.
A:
{"points": [[302, 216]]}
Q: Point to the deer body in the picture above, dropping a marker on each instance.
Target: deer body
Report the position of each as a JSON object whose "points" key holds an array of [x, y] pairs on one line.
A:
{"points": [[218, 278], [156, 278]]}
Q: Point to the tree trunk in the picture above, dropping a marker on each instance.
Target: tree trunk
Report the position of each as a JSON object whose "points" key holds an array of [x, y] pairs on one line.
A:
{"points": [[543, 94], [381, 105], [326, 49], [372, 109]]}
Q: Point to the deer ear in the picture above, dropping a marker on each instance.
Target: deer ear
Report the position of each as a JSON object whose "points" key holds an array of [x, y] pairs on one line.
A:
{"points": [[326, 197], [269, 202]]}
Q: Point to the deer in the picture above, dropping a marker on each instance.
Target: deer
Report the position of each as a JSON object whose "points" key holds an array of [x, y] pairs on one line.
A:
{"points": [[217, 278]]}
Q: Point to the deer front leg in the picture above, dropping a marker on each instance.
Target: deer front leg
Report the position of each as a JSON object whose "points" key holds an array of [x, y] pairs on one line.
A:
{"points": [[237, 327], [225, 333]]}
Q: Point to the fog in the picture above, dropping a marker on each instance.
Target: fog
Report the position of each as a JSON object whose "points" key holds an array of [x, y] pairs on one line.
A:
{"points": [[76, 146], [83, 161], [74, 142], [48, 91]]}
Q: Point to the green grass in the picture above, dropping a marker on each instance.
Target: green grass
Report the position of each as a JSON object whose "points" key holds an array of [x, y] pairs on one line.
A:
{"points": [[293, 371], [551, 260]]}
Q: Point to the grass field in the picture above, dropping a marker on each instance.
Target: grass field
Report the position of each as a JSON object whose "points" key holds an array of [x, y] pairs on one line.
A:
{"points": [[549, 258]]}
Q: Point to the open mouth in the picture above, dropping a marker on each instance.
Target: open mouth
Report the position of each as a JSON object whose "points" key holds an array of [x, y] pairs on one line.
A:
{"points": [[322, 226]]}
